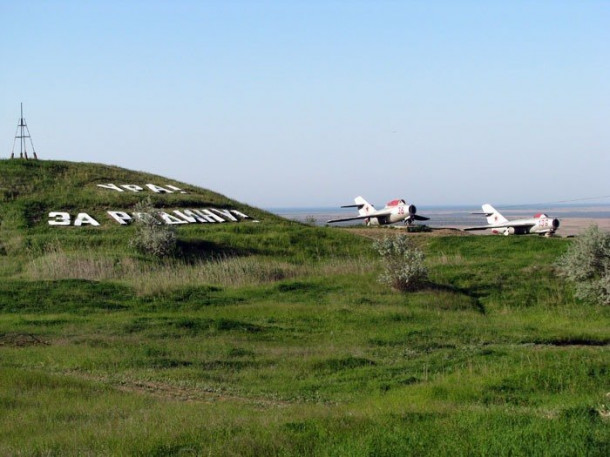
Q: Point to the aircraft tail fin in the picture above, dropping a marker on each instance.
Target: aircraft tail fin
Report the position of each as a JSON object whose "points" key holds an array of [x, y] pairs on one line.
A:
{"points": [[493, 215], [364, 207]]}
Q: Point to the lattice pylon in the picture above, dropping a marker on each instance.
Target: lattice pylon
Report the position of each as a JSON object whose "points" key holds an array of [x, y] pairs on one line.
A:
{"points": [[23, 134]]}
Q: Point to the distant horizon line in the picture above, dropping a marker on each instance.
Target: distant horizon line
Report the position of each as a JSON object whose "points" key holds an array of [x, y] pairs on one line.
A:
{"points": [[460, 205]]}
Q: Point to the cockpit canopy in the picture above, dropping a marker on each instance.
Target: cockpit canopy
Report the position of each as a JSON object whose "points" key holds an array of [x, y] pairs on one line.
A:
{"points": [[396, 203]]}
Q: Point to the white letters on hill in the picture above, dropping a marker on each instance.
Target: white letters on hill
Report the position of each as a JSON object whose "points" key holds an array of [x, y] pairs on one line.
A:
{"points": [[171, 217], [168, 189]]}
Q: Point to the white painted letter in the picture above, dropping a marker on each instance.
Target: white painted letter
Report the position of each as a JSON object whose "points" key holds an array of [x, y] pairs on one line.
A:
{"points": [[239, 214], [84, 218], [132, 187], [189, 216], [158, 189], [171, 220], [226, 213], [61, 218], [110, 186], [203, 217], [177, 189], [210, 216], [120, 216]]}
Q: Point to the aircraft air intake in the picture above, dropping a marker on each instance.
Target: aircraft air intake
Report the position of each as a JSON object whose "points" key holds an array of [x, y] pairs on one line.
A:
{"points": [[412, 209], [555, 223]]}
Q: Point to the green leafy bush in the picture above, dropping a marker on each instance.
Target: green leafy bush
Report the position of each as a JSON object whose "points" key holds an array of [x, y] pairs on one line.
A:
{"points": [[404, 267], [151, 236], [587, 265]]}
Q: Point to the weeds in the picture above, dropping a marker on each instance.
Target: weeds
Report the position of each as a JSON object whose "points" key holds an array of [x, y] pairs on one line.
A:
{"points": [[404, 267], [586, 264], [151, 236], [151, 278]]}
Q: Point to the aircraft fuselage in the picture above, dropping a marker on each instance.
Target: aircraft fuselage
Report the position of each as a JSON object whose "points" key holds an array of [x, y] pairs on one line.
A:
{"points": [[542, 225]]}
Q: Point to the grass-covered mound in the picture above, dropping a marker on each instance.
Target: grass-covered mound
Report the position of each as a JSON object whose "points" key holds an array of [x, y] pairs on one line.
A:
{"points": [[29, 190], [261, 247], [275, 338]]}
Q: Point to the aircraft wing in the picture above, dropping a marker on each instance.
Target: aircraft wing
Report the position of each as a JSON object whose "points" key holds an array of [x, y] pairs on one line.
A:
{"points": [[506, 225], [481, 227], [417, 217], [379, 213]]}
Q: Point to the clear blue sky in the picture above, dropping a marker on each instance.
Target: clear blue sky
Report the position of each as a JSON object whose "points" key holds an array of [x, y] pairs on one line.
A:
{"points": [[310, 103]]}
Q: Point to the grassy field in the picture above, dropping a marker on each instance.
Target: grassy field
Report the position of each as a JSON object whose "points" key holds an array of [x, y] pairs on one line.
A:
{"points": [[276, 338]]}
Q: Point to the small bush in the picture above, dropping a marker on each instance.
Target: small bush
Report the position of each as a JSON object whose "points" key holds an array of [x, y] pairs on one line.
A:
{"points": [[151, 236], [587, 265], [310, 220], [403, 263]]}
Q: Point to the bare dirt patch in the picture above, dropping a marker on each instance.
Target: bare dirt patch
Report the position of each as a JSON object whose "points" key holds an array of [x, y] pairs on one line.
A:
{"points": [[21, 340], [171, 392]]}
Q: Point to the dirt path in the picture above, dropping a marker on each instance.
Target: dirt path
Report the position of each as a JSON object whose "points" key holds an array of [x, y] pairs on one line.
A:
{"points": [[171, 392]]}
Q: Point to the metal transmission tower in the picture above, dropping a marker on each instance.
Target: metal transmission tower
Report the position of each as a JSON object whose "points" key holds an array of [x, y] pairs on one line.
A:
{"points": [[23, 133]]}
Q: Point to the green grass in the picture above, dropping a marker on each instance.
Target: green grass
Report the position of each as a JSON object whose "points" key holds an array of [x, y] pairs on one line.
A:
{"points": [[276, 338]]}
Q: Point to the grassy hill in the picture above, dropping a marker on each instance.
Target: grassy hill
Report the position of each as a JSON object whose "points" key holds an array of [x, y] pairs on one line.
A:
{"points": [[275, 338]]}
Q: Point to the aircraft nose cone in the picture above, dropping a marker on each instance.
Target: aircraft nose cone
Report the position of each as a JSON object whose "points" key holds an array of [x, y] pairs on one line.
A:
{"points": [[412, 209], [555, 223]]}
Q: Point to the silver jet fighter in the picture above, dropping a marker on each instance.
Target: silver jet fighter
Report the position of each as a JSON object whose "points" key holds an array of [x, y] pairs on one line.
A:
{"points": [[394, 211], [540, 224]]}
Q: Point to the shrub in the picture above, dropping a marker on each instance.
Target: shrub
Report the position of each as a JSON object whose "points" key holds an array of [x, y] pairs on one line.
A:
{"points": [[404, 267], [151, 236], [310, 220], [587, 265]]}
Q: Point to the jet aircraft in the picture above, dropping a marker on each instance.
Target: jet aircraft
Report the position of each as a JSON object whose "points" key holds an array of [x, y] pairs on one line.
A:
{"points": [[394, 211], [540, 224]]}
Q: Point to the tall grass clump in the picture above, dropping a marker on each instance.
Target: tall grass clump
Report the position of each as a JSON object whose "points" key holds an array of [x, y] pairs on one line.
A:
{"points": [[151, 278], [151, 236], [404, 267], [586, 264]]}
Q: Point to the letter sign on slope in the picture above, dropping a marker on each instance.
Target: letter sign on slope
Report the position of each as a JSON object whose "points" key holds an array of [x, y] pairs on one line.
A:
{"points": [[84, 218], [59, 218]]}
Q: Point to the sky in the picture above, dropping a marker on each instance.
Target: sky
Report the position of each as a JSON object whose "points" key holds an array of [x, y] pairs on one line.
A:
{"points": [[308, 103]]}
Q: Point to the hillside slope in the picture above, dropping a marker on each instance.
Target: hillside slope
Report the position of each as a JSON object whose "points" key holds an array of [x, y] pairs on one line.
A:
{"points": [[32, 189], [276, 338], [76, 217]]}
